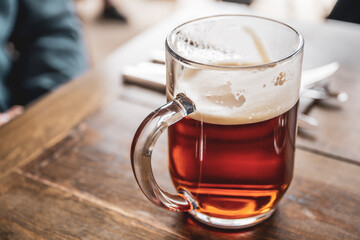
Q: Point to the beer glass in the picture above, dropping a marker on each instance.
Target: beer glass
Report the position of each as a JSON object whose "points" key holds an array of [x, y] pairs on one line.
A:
{"points": [[232, 88]]}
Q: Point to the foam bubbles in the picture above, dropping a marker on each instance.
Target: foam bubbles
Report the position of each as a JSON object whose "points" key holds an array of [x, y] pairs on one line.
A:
{"points": [[240, 96]]}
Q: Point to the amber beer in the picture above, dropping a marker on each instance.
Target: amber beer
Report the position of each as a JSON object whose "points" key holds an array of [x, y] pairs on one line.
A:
{"points": [[234, 171]]}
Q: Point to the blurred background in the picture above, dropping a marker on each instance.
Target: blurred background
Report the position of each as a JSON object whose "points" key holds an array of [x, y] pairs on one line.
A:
{"points": [[104, 31], [43, 47]]}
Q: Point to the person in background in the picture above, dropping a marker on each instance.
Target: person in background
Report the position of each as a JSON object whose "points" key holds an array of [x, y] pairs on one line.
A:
{"points": [[41, 47], [346, 10]]}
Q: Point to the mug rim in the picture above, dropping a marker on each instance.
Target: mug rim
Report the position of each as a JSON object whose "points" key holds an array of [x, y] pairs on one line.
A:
{"points": [[188, 61]]}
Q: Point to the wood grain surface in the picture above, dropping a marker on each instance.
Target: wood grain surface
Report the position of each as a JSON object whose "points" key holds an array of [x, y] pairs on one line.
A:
{"points": [[65, 171], [33, 208], [94, 161], [47, 121]]}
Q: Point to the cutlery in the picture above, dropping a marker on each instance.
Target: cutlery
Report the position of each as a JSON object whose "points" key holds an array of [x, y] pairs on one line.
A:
{"points": [[323, 93], [312, 76]]}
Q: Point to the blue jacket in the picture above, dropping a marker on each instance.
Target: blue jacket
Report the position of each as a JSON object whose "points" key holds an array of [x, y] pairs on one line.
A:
{"points": [[40, 48]]}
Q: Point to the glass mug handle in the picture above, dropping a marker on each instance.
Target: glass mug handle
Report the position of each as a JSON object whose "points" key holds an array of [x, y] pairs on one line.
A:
{"points": [[142, 147]]}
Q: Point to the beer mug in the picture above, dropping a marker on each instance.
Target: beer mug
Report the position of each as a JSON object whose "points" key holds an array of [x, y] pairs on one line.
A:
{"points": [[233, 84]]}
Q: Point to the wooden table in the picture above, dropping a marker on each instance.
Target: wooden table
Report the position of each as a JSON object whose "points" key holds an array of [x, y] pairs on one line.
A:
{"points": [[65, 171]]}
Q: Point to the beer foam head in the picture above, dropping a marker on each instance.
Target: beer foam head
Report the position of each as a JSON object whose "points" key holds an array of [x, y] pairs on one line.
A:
{"points": [[240, 96]]}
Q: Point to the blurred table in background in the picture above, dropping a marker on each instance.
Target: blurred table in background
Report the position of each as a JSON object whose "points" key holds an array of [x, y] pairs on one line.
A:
{"points": [[103, 35], [65, 171]]}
